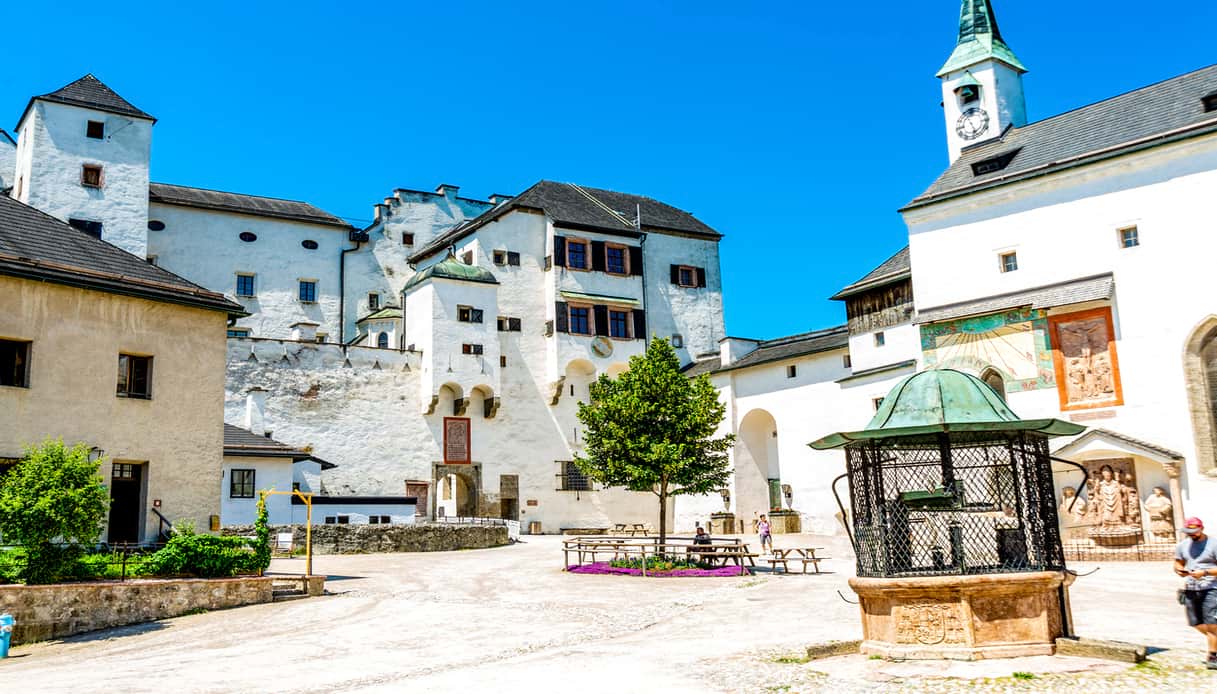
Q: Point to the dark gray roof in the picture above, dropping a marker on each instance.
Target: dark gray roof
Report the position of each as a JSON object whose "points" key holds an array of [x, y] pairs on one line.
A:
{"points": [[1147, 117], [703, 365], [89, 92], [893, 269], [184, 196], [579, 207], [793, 346], [1096, 288], [241, 442], [35, 245], [1128, 440]]}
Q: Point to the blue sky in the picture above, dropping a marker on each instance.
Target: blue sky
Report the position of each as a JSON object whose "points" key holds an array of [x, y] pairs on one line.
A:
{"points": [[796, 129]]}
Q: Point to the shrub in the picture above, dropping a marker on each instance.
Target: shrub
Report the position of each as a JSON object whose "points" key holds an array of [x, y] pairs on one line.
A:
{"points": [[52, 503], [262, 530], [204, 556]]}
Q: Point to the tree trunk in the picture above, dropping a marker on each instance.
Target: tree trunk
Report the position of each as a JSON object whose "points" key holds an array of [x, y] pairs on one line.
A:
{"points": [[663, 516]]}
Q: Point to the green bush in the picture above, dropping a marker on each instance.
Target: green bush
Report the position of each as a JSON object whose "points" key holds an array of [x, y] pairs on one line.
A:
{"points": [[12, 561], [52, 503], [204, 556], [262, 543], [108, 566]]}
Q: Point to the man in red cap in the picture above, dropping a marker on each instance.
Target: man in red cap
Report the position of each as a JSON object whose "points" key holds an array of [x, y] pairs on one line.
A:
{"points": [[1196, 560]]}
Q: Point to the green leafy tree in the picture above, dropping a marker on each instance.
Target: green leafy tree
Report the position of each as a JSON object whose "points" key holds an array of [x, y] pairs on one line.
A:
{"points": [[53, 503], [651, 429]]}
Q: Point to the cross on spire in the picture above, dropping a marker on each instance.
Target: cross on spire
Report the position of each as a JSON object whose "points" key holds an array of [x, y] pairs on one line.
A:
{"points": [[979, 39]]}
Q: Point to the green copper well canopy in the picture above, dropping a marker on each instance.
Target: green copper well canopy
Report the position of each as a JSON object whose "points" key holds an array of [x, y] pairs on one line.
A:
{"points": [[943, 401]]}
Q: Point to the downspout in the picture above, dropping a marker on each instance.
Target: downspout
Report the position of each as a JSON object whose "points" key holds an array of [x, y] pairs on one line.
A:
{"points": [[358, 237]]}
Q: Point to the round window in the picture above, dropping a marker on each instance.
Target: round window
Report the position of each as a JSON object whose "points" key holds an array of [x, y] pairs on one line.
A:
{"points": [[248, 236], [309, 244], [155, 225]]}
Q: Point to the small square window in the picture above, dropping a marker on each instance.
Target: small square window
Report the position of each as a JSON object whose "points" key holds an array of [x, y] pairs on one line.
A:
{"points": [[308, 291], [792, 371], [686, 277], [846, 361], [344, 520], [330, 520], [513, 258], [321, 338], [468, 314], [502, 360], [615, 259], [95, 129], [407, 239], [1009, 261], [678, 341], [373, 520], [619, 324], [500, 257], [14, 363], [241, 484], [245, 285], [1130, 237], [238, 332], [134, 377], [90, 175], [880, 339], [468, 348], [151, 260], [373, 301]]}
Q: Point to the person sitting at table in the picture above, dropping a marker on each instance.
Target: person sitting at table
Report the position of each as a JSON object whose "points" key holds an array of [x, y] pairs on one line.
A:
{"points": [[701, 538]]}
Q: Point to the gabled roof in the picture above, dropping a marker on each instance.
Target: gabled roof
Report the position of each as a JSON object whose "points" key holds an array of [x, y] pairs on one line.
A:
{"points": [[894, 269], [36, 246], [1096, 288], [1159, 114], [1146, 448], [582, 208], [385, 313], [451, 269], [792, 346], [979, 39], [183, 196], [89, 92], [239, 442]]}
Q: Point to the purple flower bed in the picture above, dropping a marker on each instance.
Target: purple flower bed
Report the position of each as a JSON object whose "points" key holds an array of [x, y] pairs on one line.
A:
{"points": [[603, 568]]}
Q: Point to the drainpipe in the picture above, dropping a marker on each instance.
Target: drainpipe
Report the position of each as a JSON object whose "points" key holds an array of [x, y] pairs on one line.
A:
{"points": [[359, 238]]}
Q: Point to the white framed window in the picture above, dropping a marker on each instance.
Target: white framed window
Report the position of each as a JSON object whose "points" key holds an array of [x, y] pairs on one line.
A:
{"points": [[308, 291], [245, 284], [1130, 237], [880, 339], [1008, 261]]}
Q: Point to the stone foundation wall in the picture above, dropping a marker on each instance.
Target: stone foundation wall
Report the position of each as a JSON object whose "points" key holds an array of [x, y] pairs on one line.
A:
{"points": [[370, 539], [55, 611]]}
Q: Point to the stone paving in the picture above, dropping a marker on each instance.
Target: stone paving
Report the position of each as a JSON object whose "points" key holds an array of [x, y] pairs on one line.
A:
{"points": [[508, 619]]}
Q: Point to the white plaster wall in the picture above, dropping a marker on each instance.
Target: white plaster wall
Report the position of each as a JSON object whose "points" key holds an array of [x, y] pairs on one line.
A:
{"points": [[1065, 227], [8, 163], [269, 474], [204, 247], [399, 514], [1001, 96], [900, 342], [26, 135], [694, 313], [52, 170], [446, 360]]}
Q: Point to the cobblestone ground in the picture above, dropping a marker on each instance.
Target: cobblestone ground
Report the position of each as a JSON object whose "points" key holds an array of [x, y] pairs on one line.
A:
{"points": [[510, 620]]}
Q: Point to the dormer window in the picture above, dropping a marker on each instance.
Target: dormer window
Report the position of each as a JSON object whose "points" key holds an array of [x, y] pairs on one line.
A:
{"points": [[1210, 102], [994, 164]]}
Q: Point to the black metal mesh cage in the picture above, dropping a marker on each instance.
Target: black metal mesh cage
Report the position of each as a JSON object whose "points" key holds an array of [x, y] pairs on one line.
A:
{"points": [[957, 503]]}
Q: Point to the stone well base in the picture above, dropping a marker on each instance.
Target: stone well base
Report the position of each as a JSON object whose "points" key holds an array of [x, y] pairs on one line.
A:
{"points": [[963, 617]]}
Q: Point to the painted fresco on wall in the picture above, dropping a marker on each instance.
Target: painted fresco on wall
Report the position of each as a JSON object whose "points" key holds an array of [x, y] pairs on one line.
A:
{"points": [[1015, 343], [1084, 352]]}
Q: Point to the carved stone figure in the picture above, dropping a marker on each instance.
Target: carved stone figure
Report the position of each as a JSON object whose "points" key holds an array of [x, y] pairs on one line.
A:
{"points": [[1161, 515], [1114, 521], [1133, 510], [1112, 499], [1072, 514], [1089, 374]]}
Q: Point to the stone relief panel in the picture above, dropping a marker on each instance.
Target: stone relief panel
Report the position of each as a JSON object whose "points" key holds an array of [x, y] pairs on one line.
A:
{"points": [[1109, 511], [928, 623], [1015, 343], [1084, 356]]}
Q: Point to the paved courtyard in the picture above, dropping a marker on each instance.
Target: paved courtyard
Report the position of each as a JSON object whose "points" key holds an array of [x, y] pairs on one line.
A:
{"points": [[508, 619]]}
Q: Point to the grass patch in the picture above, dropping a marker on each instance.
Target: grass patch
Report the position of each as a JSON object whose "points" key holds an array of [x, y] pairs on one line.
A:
{"points": [[1150, 666], [1023, 676], [875, 657], [197, 610], [792, 659]]}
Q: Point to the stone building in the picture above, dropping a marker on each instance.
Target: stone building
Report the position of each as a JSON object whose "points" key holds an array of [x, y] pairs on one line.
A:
{"points": [[99, 347]]}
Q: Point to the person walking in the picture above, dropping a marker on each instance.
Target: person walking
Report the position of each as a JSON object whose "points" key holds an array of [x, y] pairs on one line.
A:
{"points": [[1196, 560], [762, 529]]}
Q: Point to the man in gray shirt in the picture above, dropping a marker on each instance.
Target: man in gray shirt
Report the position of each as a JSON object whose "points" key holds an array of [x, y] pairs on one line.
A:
{"points": [[1196, 560]]}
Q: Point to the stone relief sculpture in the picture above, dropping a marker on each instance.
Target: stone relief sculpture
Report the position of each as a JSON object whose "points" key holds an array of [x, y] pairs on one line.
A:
{"points": [[1115, 521], [1086, 362], [1161, 515], [1072, 514]]}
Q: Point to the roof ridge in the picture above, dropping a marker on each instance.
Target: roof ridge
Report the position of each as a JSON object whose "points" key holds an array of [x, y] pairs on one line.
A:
{"points": [[801, 336], [244, 195], [601, 204]]}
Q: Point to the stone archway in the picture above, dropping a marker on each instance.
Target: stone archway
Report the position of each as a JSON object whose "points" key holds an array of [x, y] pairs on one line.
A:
{"points": [[1200, 377], [757, 469], [458, 490]]}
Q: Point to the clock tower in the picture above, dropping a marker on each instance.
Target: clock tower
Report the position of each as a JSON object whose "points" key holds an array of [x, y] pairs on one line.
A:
{"points": [[982, 81]]}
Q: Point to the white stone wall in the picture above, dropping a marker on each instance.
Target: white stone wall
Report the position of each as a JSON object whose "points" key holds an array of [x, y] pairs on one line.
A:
{"points": [[695, 314], [51, 170], [204, 246], [8, 163], [1065, 227], [1001, 97], [900, 343]]}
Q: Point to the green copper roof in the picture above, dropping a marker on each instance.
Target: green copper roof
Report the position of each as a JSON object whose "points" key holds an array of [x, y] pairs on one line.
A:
{"points": [[386, 313], [979, 39], [942, 400], [451, 269]]}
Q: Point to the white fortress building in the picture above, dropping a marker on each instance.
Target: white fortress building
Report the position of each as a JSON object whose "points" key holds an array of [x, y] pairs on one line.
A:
{"points": [[439, 353]]}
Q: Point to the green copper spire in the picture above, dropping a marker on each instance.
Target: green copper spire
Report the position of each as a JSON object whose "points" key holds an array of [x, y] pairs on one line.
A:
{"points": [[979, 39]]}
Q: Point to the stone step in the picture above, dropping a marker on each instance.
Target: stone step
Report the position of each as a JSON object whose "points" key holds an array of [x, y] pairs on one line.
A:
{"points": [[285, 595]]}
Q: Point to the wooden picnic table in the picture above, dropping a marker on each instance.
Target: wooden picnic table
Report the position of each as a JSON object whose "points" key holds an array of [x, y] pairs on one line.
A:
{"points": [[805, 555], [632, 528], [721, 554]]}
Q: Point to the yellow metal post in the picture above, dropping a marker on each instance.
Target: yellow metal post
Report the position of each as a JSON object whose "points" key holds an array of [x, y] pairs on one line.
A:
{"points": [[307, 498]]}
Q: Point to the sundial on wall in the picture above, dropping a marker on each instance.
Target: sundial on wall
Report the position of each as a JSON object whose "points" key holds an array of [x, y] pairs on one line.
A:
{"points": [[602, 346]]}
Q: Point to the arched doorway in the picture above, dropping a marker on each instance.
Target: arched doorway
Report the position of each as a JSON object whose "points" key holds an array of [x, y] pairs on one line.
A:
{"points": [[993, 378], [758, 478], [1200, 375], [456, 491]]}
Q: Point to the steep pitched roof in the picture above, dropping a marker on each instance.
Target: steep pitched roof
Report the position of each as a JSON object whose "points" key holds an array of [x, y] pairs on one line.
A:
{"points": [[1161, 113], [239, 203], [893, 269], [979, 39], [241, 442], [89, 92], [579, 207], [35, 245], [792, 346], [1096, 288]]}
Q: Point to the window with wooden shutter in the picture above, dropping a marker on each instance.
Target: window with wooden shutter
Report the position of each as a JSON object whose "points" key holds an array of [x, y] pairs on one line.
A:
{"points": [[635, 260], [675, 272], [601, 321], [701, 276], [475, 315], [90, 175], [560, 250], [640, 324], [502, 323], [560, 317], [598, 256]]}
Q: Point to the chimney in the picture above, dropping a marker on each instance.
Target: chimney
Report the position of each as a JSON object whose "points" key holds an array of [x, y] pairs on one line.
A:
{"points": [[499, 198], [305, 331], [447, 190], [732, 349], [255, 410]]}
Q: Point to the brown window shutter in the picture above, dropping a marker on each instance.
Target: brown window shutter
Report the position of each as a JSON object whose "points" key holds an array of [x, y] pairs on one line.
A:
{"points": [[701, 277], [640, 324], [560, 251], [675, 274], [601, 320], [635, 260], [549, 328], [561, 317], [598, 256]]}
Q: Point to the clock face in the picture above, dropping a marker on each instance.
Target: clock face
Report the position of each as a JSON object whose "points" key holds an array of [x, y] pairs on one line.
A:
{"points": [[972, 124]]}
